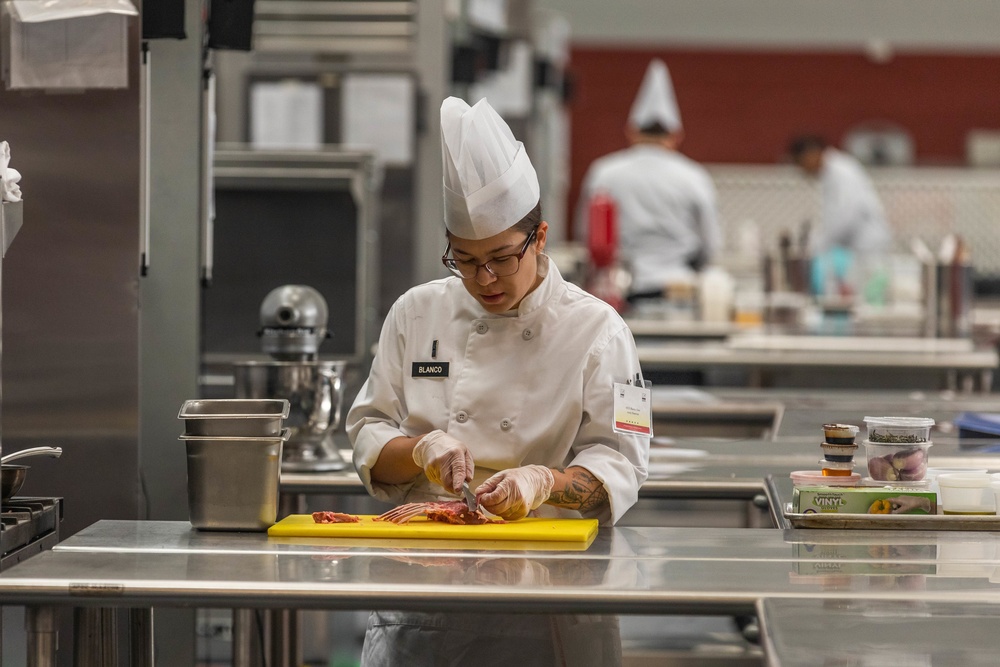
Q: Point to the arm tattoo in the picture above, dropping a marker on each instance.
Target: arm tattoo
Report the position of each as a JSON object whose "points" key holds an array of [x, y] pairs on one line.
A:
{"points": [[584, 492]]}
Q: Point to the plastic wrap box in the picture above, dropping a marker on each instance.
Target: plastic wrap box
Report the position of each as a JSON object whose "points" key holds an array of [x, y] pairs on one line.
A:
{"points": [[859, 500]]}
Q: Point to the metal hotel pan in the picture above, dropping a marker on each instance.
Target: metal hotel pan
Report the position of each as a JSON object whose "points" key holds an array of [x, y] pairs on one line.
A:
{"points": [[234, 417]]}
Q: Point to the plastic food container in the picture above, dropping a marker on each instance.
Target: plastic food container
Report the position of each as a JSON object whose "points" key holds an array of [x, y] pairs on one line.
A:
{"points": [[897, 462], [899, 430], [934, 473], [966, 493], [840, 434], [841, 453], [234, 417]]}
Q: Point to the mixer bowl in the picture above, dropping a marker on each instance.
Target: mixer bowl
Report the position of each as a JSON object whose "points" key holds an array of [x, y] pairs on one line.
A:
{"points": [[314, 391]]}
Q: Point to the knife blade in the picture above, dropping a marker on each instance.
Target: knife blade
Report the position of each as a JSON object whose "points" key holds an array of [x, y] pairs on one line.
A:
{"points": [[470, 498]]}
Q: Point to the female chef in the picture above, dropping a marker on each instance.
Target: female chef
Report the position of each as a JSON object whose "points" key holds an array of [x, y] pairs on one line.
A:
{"points": [[502, 376]]}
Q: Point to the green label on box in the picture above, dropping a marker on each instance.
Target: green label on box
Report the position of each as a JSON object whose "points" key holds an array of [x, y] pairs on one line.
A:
{"points": [[848, 500]]}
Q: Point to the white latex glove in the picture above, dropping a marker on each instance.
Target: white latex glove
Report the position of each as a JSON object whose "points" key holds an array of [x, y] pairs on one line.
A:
{"points": [[445, 460], [513, 493]]}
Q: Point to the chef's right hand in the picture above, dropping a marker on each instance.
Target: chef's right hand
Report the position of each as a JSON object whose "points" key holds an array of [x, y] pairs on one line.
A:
{"points": [[445, 460]]}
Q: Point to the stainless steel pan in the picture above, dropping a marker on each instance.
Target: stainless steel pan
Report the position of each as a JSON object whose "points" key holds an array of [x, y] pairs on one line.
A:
{"points": [[12, 476]]}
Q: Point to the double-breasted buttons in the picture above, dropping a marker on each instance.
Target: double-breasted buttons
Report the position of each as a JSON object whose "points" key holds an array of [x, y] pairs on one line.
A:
{"points": [[482, 327], [527, 334], [506, 425], [462, 417]]}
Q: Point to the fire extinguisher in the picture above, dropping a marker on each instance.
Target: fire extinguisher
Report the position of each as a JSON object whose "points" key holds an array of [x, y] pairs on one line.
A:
{"points": [[603, 227]]}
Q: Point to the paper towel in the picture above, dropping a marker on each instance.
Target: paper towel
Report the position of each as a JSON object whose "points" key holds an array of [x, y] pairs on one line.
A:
{"points": [[9, 177]]}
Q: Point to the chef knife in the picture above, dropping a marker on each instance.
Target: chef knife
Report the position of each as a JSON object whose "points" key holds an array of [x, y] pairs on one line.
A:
{"points": [[470, 498]]}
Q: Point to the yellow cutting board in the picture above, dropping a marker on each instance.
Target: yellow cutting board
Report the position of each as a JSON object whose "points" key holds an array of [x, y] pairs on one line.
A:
{"points": [[528, 529]]}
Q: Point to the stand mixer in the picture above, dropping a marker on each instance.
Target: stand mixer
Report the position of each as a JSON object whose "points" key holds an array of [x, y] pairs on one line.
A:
{"points": [[293, 322]]}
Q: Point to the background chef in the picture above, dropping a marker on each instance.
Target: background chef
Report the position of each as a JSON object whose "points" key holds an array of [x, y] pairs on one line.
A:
{"points": [[665, 202], [853, 233], [523, 406]]}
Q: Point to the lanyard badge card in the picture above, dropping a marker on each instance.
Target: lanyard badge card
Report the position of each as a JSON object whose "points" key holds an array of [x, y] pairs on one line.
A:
{"points": [[633, 407]]}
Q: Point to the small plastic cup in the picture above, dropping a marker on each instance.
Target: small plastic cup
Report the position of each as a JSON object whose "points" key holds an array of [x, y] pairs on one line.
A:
{"points": [[934, 473], [897, 462], [838, 452], [840, 434], [899, 430], [837, 468], [966, 493]]}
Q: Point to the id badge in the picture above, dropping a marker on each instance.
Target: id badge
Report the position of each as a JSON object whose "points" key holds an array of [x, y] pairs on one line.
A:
{"points": [[633, 409]]}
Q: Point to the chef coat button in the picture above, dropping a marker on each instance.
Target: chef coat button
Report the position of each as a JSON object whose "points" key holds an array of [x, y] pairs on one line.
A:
{"points": [[527, 334], [462, 417], [505, 425], [482, 327]]}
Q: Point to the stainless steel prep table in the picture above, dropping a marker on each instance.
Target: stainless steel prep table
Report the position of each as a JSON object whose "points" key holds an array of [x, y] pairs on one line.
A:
{"points": [[961, 368], [142, 564], [917, 633]]}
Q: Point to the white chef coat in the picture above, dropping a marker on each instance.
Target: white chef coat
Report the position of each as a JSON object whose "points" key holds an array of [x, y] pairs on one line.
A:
{"points": [[853, 217], [532, 388], [666, 211]]}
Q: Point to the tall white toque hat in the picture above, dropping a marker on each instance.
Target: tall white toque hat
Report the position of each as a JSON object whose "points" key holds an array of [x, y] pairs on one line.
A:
{"points": [[489, 183], [656, 102]]}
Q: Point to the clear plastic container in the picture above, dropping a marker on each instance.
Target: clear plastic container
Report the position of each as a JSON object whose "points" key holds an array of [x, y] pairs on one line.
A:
{"points": [[834, 452], [897, 462], [934, 473], [899, 430], [840, 434], [966, 493]]}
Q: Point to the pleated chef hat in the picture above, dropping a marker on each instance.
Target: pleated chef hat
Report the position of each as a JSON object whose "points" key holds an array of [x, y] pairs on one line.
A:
{"points": [[489, 183], [655, 102]]}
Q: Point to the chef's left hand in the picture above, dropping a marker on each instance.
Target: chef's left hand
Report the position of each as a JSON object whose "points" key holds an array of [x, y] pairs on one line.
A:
{"points": [[514, 492]]}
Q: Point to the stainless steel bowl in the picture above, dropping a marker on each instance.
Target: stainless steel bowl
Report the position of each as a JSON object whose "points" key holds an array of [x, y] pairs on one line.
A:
{"points": [[314, 391]]}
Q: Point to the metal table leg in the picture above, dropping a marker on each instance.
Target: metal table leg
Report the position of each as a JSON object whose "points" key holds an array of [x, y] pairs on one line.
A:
{"points": [[248, 650], [95, 637], [42, 636], [140, 637], [285, 645]]}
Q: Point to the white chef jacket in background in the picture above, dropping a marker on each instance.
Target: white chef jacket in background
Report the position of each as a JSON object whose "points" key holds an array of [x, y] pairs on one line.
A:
{"points": [[530, 388], [853, 216], [666, 211]]}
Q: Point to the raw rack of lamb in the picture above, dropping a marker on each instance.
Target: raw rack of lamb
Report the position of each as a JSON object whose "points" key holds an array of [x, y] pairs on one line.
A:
{"points": [[451, 511], [335, 517]]}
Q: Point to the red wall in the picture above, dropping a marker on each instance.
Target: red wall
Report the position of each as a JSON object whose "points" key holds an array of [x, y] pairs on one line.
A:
{"points": [[742, 107]]}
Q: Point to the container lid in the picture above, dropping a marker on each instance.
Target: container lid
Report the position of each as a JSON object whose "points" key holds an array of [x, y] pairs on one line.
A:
{"points": [[837, 465], [885, 484], [900, 422], [850, 428], [817, 478], [965, 480], [897, 445], [933, 473]]}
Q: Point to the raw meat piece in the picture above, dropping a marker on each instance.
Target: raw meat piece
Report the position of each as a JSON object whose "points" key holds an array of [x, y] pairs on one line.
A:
{"points": [[335, 517], [451, 511]]}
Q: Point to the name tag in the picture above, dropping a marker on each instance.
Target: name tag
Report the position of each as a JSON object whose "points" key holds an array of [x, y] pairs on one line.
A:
{"points": [[633, 410], [430, 369]]}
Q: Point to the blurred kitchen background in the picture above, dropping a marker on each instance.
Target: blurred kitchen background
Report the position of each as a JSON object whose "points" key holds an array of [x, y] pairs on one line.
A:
{"points": [[298, 143]]}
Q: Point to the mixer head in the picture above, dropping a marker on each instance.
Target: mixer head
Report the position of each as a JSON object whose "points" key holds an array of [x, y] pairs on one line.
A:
{"points": [[293, 321]]}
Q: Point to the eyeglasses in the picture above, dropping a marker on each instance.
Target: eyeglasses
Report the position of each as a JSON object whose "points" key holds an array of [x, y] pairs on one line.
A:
{"points": [[500, 267]]}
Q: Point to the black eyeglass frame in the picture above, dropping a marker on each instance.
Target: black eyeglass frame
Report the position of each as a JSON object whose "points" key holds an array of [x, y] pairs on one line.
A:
{"points": [[451, 263]]}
